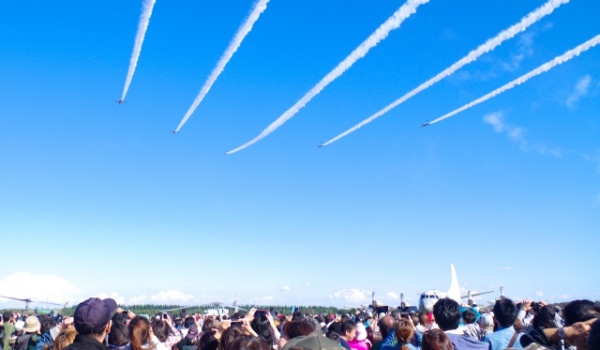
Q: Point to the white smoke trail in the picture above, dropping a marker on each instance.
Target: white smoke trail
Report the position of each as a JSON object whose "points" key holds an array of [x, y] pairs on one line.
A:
{"points": [[488, 46], [541, 69], [260, 6], [380, 33], [139, 40]]}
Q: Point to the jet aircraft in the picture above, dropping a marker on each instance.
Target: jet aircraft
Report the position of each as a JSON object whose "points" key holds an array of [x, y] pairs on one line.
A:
{"points": [[120, 101]]}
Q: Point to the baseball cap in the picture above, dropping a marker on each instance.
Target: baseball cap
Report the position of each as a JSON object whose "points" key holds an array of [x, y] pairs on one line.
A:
{"points": [[92, 315]]}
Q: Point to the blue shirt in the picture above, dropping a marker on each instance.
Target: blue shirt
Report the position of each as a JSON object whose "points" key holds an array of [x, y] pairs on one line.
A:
{"points": [[499, 339]]}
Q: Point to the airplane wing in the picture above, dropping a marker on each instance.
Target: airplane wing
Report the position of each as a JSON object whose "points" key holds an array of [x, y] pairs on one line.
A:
{"points": [[476, 294]]}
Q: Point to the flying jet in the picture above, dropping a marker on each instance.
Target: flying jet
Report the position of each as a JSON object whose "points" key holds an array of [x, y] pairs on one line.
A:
{"points": [[425, 124], [429, 298], [174, 132], [120, 101]]}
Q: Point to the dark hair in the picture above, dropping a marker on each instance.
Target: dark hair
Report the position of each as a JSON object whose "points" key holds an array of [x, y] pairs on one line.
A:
{"points": [[297, 316], [469, 317], [248, 342], [505, 312], [580, 310], [190, 321], [545, 318], [447, 314], [119, 334], [347, 326], [297, 328], [208, 341], [593, 340], [262, 327], [46, 323], [7, 315], [160, 329], [333, 335], [386, 324], [119, 318], [230, 334], [436, 339]]}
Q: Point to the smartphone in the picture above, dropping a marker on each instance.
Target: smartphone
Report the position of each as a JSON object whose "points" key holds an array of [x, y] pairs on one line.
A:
{"points": [[383, 309], [258, 313], [165, 315], [237, 323]]}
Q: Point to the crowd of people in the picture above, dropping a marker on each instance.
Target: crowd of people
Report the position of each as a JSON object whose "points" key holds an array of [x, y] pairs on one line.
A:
{"points": [[98, 324]]}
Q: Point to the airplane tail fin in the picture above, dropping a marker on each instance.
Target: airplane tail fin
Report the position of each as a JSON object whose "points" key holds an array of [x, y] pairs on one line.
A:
{"points": [[454, 291]]}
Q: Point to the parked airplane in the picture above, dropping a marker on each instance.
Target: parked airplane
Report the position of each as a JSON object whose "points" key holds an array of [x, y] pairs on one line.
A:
{"points": [[429, 298]]}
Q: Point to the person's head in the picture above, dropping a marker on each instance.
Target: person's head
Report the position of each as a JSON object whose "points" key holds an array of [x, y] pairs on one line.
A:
{"points": [[32, 325], [404, 332], [386, 324], [486, 323], [119, 334], [414, 317], [7, 316], [92, 317], [297, 328], [47, 323], [593, 340], [139, 332], [248, 342], [64, 338], [229, 336], [580, 310], [262, 327], [348, 330], [505, 312], [447, 314], [469, 317], [190, 321], [361, 332], [160, 328], [208, 341], [436, 339], [545, 318]]}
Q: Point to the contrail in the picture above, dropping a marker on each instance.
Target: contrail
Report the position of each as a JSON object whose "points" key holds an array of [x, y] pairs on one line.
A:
{"points": [[260, 6], [541, 69], [488, 46], [139, 40], [380, 33]]}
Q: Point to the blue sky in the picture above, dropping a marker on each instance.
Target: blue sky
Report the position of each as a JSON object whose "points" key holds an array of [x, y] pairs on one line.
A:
{"points": [[101, 199]]}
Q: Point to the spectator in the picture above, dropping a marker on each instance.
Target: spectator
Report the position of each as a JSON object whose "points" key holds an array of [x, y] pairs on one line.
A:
{"points": [[593, 341], [228, 336], [248, 342], [505, 312], [141, 335], [118, 338], [29, 339], [360, 341], [544, 319], [404, 331], [64, 338], [447, 315], [165, 332], [386, 326], [92, 322], [470, 327], [9, 329], [436, 339]]}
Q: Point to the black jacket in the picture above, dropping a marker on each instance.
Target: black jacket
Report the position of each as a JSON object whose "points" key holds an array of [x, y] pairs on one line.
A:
{"points": [[85, 342]]}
